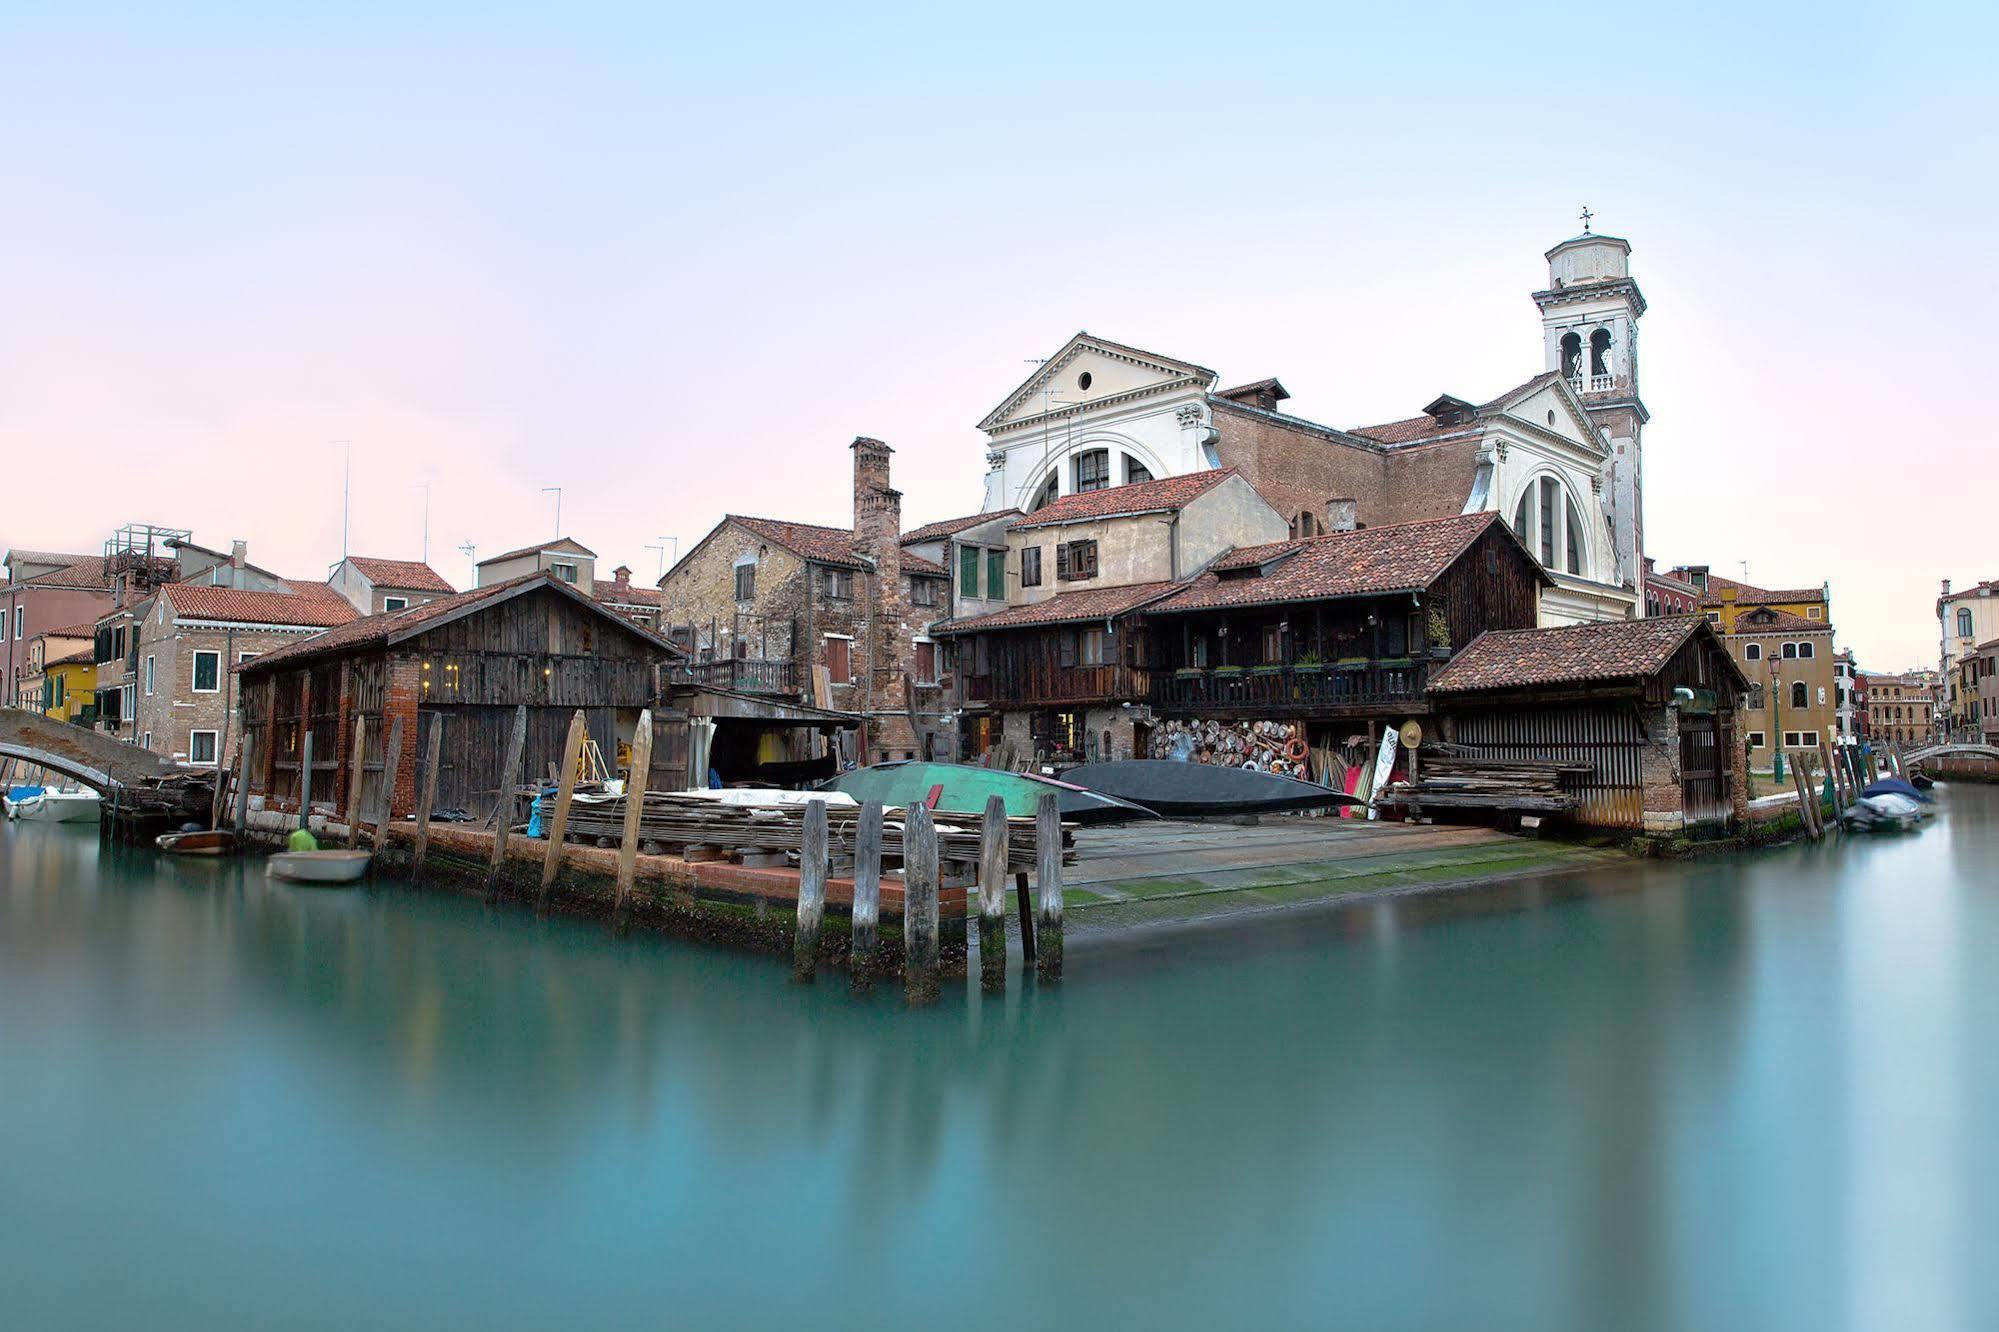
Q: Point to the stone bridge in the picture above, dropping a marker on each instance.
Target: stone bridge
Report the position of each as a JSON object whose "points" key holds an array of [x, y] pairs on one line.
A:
{"points": [[97, 761], [1964, 760]]}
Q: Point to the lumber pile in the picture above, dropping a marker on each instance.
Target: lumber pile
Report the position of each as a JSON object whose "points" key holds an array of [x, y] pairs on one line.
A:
{"points": [[677, 823], [1456, 781]]}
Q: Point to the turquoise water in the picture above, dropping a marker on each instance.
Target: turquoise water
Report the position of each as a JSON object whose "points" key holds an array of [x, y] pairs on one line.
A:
{"points": [[1758, 1093]]}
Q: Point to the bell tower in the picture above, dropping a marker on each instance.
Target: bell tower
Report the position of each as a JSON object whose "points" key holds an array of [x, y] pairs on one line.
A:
{"points": [[1589, 327]]}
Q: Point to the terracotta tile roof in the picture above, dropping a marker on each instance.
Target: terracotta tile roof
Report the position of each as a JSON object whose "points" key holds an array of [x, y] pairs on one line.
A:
{"points": [[581, 549], [377, 630], [1162, 496], [1414, 428], [1573, 654], [86, 629], [1093, 603], [401, 575], [952, 526], [1770, 620], [86, 572], [19, 554], [74, 658], [917, 564], [1747, 594], [631, 594], [822, 545], [200, 601], [1372, 561]]}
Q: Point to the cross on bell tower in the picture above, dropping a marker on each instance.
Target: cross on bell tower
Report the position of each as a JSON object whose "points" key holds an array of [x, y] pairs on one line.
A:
{"points": [[1587, 215]]}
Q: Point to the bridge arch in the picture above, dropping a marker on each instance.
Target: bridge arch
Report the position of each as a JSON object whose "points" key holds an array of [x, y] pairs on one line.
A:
{"points": [[97, 761]]}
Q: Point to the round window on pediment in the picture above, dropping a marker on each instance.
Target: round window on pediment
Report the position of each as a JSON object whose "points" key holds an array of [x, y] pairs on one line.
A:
{"points": [[1551, 416], [1083, 380]]}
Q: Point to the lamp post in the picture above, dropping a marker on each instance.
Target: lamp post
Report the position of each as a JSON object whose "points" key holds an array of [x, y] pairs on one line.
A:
{"points": [[1776, 720]]}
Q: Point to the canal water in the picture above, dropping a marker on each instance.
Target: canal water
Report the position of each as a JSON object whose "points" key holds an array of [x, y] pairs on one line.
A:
{"points": [[1759, 1092]]}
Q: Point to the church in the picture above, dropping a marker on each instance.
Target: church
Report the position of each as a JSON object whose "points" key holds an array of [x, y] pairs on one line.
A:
{"points": [[1558, 457]]}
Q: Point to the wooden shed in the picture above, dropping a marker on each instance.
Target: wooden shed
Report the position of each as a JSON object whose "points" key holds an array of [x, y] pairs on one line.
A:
{"points": [[1647, 706], [468, 661]]}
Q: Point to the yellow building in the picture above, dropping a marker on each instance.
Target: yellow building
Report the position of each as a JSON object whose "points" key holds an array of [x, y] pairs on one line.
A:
{"points": [[1793, 699], [62, 678], [1723, 599]]}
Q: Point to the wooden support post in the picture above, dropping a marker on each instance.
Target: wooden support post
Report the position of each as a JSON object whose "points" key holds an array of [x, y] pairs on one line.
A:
{"points": [[358, 760], [305, 779], [427, 798], [811, 892], [1048, 886], [992, 897], [919, 905], [1805, 799], [635, 799], [867, 896], [392, 765], [503, 808], [565, 792], [244, 761], [1023, 906]]}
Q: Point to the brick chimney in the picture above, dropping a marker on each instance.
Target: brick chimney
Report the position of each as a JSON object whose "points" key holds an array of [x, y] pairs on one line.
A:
{"points": [[238, 552], [878, 515], [621, 579]]}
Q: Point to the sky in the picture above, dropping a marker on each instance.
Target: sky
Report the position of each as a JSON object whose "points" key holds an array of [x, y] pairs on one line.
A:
{"points": [[673, 262]]}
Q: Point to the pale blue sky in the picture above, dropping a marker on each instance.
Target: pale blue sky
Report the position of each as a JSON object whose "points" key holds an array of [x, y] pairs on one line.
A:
{"points": [[674, 262]]}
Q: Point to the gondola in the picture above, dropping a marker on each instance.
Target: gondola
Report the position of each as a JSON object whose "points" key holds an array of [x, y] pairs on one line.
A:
{"points": [[1202, 790], [961, 788]]}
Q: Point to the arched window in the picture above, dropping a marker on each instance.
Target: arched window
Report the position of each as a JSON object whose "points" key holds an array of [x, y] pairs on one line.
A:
{"points": [[1800, 696], [1548, 522], [1093, 470], [1572, 355], [1752, 652], [1599, 354], [1964, 621], [1049, 493], [1135, 471]]}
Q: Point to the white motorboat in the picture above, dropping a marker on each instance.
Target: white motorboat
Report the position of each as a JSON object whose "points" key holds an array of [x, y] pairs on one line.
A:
{"points": [[50, 805], [327, 867], [753, 796]]}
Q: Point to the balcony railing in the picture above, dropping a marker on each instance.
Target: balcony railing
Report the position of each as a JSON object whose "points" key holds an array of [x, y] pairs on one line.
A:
{"points": [[1278, 690], [743, 675], [1592, 383], [1057, 686]]}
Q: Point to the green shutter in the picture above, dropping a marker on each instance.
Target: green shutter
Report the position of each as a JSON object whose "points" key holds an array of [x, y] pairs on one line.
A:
{"points": [[968, 571], [996, 574]]}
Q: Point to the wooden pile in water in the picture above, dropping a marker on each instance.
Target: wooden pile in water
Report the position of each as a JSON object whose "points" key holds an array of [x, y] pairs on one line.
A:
{"points": [[682, 821], [1466, 782]]}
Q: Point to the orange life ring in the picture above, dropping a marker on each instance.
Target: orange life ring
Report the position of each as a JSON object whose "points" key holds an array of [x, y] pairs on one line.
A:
{"points": [[1296, 751]]}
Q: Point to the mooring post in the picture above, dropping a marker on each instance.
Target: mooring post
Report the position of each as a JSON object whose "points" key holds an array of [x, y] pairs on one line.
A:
{"points": [[1023, 906], [565, 791], [243, 760], [992, 896], [392, 765], [358, 760], [305, 779], [919, 905], [867, 897], [635, 800], [1048, 884], [433, 748], [811, 892], [503, 808]]}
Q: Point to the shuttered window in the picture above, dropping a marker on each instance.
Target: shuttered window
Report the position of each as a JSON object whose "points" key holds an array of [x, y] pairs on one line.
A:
{"points": [[996, 575], [1030, 566], [1076, 560], [968, 571]]}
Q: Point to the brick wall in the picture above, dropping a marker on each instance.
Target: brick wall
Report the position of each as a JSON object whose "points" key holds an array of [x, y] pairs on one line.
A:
{"points": [[1298, 469], [175, 709]]}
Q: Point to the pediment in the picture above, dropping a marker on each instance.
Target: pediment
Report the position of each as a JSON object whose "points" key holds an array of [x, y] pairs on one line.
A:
{"points": [[1090, 371], [1551, 407]]}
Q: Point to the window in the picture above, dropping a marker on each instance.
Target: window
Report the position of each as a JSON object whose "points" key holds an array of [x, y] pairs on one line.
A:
{"points": [[1549, 488], [1714, 617], [1549, 523], [1801, 697], [1755, 697], [395, 604], [1963, 622], [1572, 355], [242, 657], [746, 581], [840, 659], [923, 592], [926, 663], [149, 677], [1599, 354], [838, 584], [20, 620], [1790, 651], [1092, 648], [207, 672], [1754, 739], [118, 641], [996, 575], [1047, 494], [1135, 471], [1792, 740], [1814, 612], [1093, 470], [1805, 651], [968, 571], [201, 748], [1752, 652], [1030, 566], [1075, 560], [566, 572]]}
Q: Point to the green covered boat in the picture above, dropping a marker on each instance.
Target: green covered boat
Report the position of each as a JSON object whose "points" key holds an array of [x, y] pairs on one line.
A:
{"points": [[961, 788]]}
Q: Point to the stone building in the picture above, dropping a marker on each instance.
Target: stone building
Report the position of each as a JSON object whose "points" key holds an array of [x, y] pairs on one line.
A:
{"points": [[1792, 702], [835, 617], [1558, 455], [1669, 594], [1982, 680], [44, 591], [569, 560], [373, 586], [1900, 707], [1965, 619]]}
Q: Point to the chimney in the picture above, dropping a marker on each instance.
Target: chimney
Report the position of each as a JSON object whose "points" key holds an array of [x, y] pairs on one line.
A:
{"points": [[1342, 515], [621, 578], [237, 551], [878, 516], [1946, 587]]}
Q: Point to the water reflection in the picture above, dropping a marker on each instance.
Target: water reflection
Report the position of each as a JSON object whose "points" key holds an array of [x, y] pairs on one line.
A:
{"points": [[1656, 1096]]}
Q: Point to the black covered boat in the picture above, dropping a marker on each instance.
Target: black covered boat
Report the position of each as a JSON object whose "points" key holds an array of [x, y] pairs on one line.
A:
{"points": [[1188, 790]]}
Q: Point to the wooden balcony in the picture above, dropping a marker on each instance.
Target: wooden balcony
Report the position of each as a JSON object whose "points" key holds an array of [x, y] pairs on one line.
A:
{"points": [[1289, 691], [1057, 686], [742, 675]]}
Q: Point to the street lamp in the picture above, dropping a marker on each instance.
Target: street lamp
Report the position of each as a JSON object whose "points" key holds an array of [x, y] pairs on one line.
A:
{"points": [[1776, 720]]}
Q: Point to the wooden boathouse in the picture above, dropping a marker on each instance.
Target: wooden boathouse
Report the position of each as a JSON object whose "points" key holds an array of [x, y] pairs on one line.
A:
{"points": [[472, 661], [1646, 707]]}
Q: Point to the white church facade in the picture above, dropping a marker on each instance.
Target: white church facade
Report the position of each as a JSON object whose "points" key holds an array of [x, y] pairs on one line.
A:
{"points": [[1558, 456]]}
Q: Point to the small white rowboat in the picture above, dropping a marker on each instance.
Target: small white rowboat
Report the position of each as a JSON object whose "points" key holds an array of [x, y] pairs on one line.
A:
{"points": [[332, 867]]}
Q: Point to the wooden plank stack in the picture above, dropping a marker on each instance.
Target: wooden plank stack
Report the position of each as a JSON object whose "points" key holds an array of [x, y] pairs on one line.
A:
{"points": [[1450, 781], [679, 822]]}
